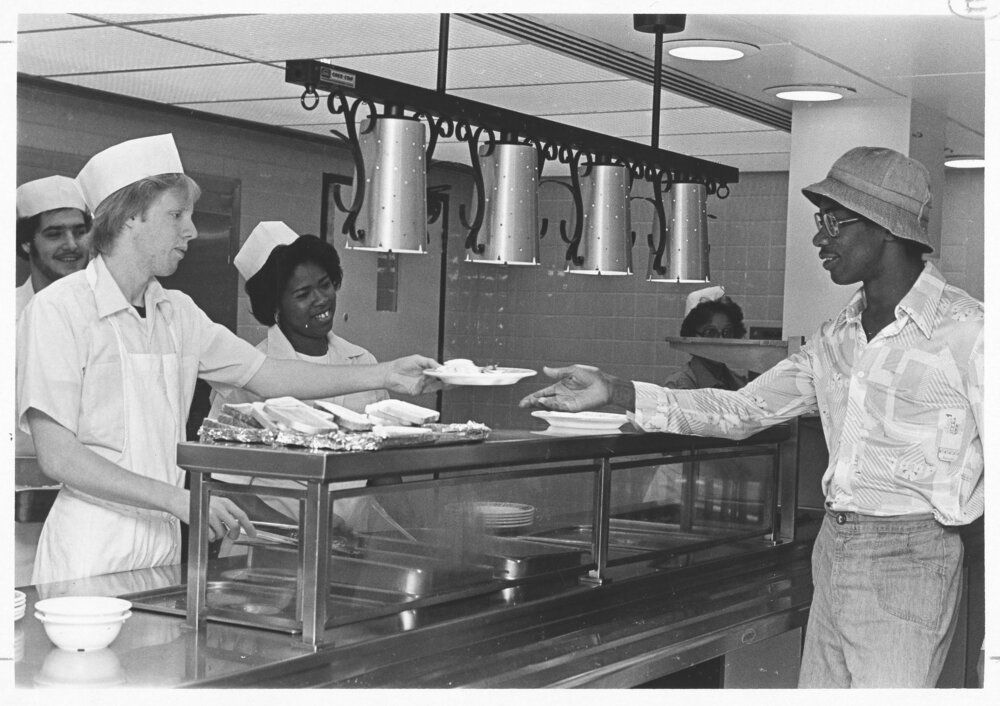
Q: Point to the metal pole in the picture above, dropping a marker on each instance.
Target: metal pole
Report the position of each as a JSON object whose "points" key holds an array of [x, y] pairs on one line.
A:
{"points": [[442, 75], [657, 81]]}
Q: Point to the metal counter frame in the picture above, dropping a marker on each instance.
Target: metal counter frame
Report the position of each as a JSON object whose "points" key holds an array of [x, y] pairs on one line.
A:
{"points": [[519, 450]]}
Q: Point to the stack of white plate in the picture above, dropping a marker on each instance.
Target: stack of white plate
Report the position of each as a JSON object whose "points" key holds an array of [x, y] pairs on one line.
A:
{"points": [[498, 515], [581, 423], [19, 602]]}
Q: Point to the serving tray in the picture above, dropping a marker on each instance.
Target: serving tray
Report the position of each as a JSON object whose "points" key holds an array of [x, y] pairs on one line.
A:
{"points": [[216, 431]]}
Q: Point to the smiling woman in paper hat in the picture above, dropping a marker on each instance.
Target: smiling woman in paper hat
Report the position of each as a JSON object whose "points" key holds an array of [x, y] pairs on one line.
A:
{"points": [[106, 369], [292, 282]]}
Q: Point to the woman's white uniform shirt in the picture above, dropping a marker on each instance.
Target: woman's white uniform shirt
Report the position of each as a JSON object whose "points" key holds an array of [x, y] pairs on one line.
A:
{"points": [[123, 385], [339, 352]]}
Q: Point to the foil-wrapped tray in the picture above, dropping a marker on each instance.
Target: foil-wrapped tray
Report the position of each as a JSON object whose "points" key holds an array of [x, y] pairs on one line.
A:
{"points": [[219, 431]]}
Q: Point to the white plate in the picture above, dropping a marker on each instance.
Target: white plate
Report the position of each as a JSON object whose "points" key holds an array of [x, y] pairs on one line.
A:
{"points": [[582, 421], [497, 514], [560, 432], [499, 376]]}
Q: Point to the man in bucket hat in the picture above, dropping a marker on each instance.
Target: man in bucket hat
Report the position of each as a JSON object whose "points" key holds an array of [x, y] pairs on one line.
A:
{"points": [[897, 378], [107, 361]]}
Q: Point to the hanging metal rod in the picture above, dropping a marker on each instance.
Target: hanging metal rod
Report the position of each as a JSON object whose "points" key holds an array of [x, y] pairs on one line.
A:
{"points": [[556, 138]]}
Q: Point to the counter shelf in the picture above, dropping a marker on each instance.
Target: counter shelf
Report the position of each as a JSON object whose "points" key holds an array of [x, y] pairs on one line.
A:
{"points": [[594, 522]]}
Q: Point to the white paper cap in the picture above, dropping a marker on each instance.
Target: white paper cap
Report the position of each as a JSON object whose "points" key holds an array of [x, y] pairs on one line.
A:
{"points": [[48, 194], [708, 294], [126, 163], [258, 246]]}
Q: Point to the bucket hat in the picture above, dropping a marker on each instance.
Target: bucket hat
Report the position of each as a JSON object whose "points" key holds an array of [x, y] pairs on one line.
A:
{"points": [[882, 185]]}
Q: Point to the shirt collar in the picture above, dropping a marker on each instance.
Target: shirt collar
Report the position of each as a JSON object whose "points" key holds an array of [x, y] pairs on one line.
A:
{"points": [[278, 345], [109, 297], [920, 304]]}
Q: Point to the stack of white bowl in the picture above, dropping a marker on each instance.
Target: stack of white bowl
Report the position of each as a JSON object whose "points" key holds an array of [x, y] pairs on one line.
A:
{"points": [[82, 623], [19, 601]]}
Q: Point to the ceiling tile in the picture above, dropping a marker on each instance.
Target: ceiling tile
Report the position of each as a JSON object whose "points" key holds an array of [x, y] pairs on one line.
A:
{"points": [[281, 37], [598, 96], [286, 112], [462, 33], [762, 162], [888, 46], [673, 122], [137, 19], [963, 97], [194, 83], [77, 51], [518, 65], [710, 145], [34, 23]]}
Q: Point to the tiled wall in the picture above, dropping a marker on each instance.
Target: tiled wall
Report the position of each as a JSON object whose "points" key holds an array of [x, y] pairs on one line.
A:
{"points": [[534, 316]]}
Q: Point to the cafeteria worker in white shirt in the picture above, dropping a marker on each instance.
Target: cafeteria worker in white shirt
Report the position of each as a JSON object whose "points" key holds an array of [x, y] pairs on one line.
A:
{"points": [[292, 282], [53, 233], [106, 366]]}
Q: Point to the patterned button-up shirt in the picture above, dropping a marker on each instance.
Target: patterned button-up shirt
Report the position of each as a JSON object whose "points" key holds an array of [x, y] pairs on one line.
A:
{"points": [[902, 413]]}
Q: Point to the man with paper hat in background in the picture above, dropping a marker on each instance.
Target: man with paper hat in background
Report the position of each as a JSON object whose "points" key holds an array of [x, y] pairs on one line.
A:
{"points": [[897, 379], [53, 236], [106, 368], [53, 233]]}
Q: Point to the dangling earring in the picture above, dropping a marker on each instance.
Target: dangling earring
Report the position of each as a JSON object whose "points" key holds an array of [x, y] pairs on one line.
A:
{"points": [[276, 317]]}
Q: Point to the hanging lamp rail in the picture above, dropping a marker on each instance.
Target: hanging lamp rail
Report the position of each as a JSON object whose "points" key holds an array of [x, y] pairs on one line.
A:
{"points": [[644, 162]]}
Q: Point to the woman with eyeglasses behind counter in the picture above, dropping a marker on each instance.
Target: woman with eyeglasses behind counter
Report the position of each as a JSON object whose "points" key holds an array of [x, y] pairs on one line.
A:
{"points": [[710, 318]]}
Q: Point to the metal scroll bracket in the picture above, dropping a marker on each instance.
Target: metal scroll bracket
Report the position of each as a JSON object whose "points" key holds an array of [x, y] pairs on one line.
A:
{"points": [[567, 156], [661, 247], [465, 133], [336, 103]]}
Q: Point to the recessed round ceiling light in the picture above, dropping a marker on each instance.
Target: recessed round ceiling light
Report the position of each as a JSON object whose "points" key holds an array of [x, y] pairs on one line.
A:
{"points": [[965, 161], [813, 93], [709, 49]]}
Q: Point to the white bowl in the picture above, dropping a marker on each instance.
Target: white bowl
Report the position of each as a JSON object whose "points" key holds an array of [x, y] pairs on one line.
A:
{"points": [[82, 634], [82, 607]]}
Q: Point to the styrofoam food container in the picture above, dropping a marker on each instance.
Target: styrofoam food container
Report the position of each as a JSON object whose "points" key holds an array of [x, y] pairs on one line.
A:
{"points": [[82, 607], [82, 634]]}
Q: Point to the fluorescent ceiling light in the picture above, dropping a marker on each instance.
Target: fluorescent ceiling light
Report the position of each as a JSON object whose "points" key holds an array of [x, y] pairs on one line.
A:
{"points": [[965, 161], [810, 93], [709, 49]]}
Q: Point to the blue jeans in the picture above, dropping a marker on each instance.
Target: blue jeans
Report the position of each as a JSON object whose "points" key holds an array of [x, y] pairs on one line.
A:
{"points": [[885, 598]]}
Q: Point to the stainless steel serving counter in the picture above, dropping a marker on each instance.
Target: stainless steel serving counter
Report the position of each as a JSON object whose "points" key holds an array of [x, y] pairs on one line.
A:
{"points": [[594, 461], [617, 635], [606, 619]]}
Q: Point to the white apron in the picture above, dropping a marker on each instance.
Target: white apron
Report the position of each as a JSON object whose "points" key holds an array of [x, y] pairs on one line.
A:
{"points": [[87, 536]]}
